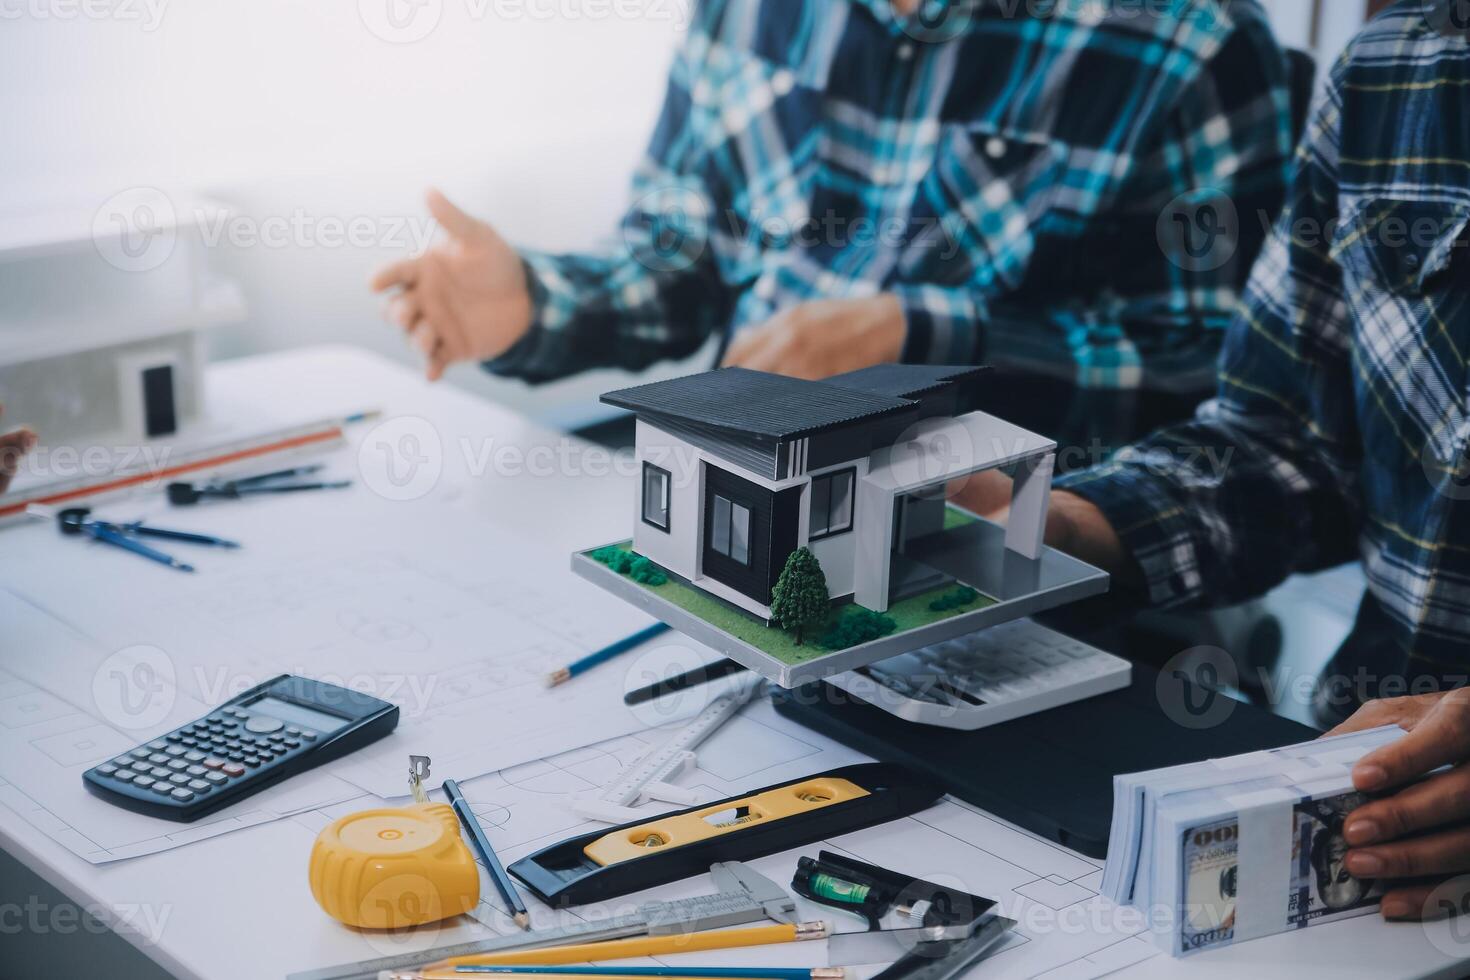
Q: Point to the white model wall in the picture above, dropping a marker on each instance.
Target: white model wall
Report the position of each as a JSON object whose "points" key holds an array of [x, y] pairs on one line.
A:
{"points": [[679, 548], [838, 552]]}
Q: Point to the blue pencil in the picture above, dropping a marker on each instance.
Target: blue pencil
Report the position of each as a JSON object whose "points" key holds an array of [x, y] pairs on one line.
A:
{"points": [[627, 643], [503, 884], [691, 972]]}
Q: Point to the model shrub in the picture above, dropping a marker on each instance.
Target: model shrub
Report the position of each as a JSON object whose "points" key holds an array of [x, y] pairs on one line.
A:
{"points": [[799, 597], [644, 571], [615, 558], [954, 599], [858, 626]]}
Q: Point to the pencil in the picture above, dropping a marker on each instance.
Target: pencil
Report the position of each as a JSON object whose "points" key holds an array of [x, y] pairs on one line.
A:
{"points": [[637, 973], [564, 674], [679, 682], [686, 972], [503, 884], [622, 949]]}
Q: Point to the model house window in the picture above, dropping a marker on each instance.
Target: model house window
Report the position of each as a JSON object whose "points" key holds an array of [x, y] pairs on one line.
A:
{"points": [[656, 496], [831, 504], [730, 530]]}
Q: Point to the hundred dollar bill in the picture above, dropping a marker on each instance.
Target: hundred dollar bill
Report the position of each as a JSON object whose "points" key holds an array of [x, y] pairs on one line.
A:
{"points": [[1321, 890], [1207, 915]]}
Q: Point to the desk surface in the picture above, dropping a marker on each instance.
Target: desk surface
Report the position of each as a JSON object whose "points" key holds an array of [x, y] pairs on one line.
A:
{"points": [[236, 905]]}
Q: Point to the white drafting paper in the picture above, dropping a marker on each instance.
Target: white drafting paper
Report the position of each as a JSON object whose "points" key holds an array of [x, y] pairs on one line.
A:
{"points": [[419, 603], [47, 740], [1064, 925]]}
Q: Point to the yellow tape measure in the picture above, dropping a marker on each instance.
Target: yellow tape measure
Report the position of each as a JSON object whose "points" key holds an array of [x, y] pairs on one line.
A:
{"points": [[389, 868]]}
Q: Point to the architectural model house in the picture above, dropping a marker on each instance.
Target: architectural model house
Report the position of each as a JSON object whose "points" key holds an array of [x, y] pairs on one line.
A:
{"points": [[741, 468], [744, 473]]}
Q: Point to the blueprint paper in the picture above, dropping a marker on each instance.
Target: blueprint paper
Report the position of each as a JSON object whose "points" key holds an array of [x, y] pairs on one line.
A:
{"points": [[47, 739], [420, 604], [1066, 930]]}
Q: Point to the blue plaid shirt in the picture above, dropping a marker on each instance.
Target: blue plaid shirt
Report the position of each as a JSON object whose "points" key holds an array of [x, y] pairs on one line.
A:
{"points": [[1003, 173], [1340, 427]]}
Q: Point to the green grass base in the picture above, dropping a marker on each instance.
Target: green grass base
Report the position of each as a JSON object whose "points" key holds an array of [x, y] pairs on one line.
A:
{"points": [[909, 613]]}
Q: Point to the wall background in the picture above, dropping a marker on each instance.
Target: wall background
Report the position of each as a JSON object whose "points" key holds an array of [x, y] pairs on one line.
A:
{"points": [[529, 112]]}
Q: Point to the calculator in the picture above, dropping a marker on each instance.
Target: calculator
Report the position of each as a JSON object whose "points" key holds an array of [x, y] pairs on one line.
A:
{"points": [[274, 730]]}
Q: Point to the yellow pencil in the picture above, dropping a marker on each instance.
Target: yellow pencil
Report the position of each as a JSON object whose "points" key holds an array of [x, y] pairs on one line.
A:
{"points": [[621, 949], [444, 972]]}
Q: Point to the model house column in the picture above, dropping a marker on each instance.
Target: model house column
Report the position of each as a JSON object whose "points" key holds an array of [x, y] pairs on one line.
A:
{"points": [[1030, 496]]}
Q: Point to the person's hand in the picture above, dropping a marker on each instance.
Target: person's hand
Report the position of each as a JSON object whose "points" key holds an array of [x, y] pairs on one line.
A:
{"points": [[1417, 836], [823, 337], [463, 299], [13, 445]]}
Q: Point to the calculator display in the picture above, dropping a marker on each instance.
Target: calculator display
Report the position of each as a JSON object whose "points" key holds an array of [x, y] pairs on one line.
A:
{"points": [[295, 714]]}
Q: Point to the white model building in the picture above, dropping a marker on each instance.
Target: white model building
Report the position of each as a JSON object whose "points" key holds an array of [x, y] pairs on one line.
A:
{"points": [[740, 468], [102, 310]]}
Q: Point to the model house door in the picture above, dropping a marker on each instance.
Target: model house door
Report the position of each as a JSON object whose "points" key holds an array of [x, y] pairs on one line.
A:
{"points": [[747, 528]]}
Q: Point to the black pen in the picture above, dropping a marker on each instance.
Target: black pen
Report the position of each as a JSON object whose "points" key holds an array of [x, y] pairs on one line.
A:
{"points": [[502, 880]]}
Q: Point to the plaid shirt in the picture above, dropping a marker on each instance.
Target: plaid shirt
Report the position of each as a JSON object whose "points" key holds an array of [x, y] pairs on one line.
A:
{"points": [[1003, 174], [1340, 426]]}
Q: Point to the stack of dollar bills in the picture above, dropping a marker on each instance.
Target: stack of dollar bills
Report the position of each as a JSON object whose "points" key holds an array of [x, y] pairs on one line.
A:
{"points": [[1227, 850]]}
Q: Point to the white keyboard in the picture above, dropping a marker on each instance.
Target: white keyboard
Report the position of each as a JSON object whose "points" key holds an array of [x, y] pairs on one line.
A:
{"points": [[1005, 672]]}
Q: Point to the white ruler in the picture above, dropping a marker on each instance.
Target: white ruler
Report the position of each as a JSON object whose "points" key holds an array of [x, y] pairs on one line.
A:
{"points": [[651, 777]]}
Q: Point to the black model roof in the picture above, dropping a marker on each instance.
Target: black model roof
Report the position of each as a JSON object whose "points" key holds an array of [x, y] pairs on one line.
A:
{"points": [[905, 380], [781, 408]]}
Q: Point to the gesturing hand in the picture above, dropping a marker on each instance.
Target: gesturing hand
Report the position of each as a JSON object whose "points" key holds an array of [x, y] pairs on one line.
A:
{"points": [[1418, 835], [13, 445], [463, 299]]}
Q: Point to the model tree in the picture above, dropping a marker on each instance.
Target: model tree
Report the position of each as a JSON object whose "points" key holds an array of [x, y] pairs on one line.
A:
{"points": [[799, 597]]}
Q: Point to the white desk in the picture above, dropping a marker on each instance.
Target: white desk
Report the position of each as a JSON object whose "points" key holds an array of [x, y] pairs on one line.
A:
{"points": [[238, 906]]}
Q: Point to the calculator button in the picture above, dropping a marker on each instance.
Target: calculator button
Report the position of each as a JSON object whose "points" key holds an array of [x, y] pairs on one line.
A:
{"points": [[196, 770], [178, 765], [141, 766], [215, 778], [251, 760], [182, 795], [199, 786], [291, 743], [141, 753], [293, 731], [193, 756], [309, 736], [262, 724], [216, 717], [213, 763], [125, 776], [158, 758], [175, 750], [175, 737], [144, 781], [107, 769], [189, 742], [157, 743], [233, 769], [178, 779], [162, 788], [123, 760]]}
